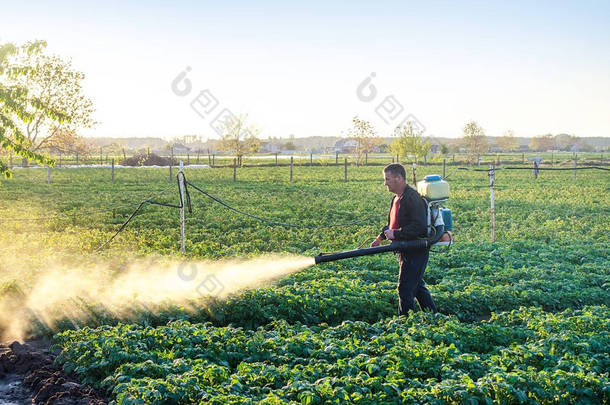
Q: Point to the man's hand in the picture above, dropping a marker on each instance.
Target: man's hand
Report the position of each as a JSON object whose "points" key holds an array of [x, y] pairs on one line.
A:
{"points": [[376, 242], [389, 234]]}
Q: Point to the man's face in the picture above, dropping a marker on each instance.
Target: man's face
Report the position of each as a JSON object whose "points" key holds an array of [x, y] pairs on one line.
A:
{"points": [[395, 184]]}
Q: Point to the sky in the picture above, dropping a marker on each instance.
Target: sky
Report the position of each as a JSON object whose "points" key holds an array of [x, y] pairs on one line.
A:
{"points": [[166, 69]]}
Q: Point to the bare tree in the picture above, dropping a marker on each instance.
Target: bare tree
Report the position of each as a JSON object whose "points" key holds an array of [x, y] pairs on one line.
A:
{"points": [[66, 140], [365, 137], [473, 137], [508, 142], [239, 136], [542, 143]]}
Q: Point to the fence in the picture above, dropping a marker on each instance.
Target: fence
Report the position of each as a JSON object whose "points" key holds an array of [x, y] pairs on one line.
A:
{"points": [[219, 159]]}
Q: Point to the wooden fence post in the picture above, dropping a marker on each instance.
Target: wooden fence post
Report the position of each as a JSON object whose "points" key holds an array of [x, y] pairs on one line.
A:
{"points": [[113, 170], [444, 163], [276, 158], [171, 162], [492, 210], [291, 166], [345, 166], [575, 166], [415, 175], [234, 170]]}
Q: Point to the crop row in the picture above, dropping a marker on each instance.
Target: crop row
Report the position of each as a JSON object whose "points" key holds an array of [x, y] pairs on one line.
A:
{"points": [[521, 356]]}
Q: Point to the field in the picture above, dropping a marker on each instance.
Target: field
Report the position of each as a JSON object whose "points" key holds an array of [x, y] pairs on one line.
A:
{"points": [[522, 320]]}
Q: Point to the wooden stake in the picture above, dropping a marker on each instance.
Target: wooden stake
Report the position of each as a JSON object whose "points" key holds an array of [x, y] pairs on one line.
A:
{"points": [[345, 165], [234, 170], [575, 166], [492, 210], [182, 222], [171, 162], [113, 170], [291, 166], [415, 175]]}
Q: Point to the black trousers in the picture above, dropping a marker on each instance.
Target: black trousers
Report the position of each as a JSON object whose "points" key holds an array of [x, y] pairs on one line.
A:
{"points": [[411, 282]]}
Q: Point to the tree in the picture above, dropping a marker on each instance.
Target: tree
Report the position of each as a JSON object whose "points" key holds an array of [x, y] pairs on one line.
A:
{"points": [[474, 140], [67, 141], [58, 86], [542, 143], [508, 142], [239, 137], [20, 107], [565, 141], [410, 142], [444, 149], [365, 136]]}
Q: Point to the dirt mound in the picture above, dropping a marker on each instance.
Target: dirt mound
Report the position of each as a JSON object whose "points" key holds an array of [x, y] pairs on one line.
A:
{"points": [[27, 375], [146, 160]]}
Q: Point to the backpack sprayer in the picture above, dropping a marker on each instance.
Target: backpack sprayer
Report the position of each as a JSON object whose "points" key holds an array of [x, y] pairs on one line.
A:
{"points": [[435, 191]]}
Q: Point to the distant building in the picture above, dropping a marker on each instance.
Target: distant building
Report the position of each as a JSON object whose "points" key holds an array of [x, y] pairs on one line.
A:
{"points": [[346, 145], [269, 147], [349, 145]]}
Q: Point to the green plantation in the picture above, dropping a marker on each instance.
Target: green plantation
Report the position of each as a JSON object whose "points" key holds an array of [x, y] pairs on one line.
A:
{"points": [[522, 320]]}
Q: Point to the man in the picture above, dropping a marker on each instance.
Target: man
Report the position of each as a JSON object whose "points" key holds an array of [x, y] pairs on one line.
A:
{"points": [[407, 220]]}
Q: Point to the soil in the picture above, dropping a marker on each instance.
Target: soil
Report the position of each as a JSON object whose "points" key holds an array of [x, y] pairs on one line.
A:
{"points": [[28, 376]]}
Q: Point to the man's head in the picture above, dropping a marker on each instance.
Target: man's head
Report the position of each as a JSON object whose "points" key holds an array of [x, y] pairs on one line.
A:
{"points": [[395, 178]]}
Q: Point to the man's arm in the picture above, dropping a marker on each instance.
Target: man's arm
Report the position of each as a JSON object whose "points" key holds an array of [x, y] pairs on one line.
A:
{"points": [[380, 237]]}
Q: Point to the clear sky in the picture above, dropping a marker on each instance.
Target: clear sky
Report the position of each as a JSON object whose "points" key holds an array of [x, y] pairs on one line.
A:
{"points": [[533, 67]]}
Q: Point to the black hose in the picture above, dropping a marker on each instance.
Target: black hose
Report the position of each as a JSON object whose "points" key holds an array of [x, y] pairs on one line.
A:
{"points": [[397, 246]]}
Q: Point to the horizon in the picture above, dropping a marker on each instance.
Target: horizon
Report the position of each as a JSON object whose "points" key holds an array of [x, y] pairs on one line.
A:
{"points": [[308, 70]]}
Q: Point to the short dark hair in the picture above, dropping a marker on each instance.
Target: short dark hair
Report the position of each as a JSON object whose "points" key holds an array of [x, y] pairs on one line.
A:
{"points": [[395, 169]]}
